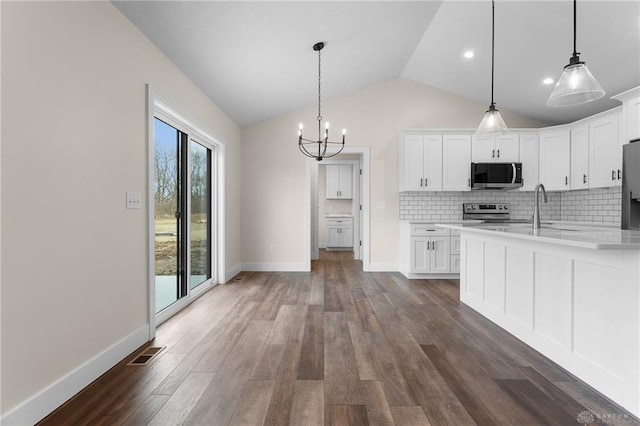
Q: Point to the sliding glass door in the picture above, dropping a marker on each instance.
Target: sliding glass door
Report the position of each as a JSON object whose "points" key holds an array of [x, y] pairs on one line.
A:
{"points": [[182, 214]]}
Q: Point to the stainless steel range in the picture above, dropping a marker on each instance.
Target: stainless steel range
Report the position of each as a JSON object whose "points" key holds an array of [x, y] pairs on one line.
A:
{"points": [[488, 212]]}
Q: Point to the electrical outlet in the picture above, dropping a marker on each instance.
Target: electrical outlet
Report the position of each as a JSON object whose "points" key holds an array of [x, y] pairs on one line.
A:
{"points": [[133, 200], [272, 248]]}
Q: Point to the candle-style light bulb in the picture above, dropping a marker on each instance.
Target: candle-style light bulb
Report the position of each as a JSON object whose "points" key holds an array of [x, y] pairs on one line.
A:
{"points": [[326, 125], [344, 132]]}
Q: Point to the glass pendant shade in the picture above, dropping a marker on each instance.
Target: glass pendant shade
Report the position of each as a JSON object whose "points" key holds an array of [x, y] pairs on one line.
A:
{"points": [[576, 86], [492, 122]]}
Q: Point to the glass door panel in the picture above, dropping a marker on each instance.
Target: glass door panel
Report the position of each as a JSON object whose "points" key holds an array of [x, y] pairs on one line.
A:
{"points": [[200, 218], [168, 224]]}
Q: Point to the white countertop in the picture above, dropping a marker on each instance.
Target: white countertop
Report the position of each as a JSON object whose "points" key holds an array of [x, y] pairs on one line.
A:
{"points": [[596, 237], [337, 215]]}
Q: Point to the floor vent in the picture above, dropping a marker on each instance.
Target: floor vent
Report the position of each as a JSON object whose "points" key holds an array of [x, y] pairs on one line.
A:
{"points": [[147, 355], [238, 278]]}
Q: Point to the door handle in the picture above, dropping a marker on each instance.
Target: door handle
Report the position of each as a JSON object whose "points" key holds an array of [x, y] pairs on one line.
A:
{"points": [[493, 153], [513, 165], [426, 182], [613, 175], [428, 246], [433, 245], [498, 153], [566, 180], [584, 178], [421, 179], [469, 182], [619, 173]]}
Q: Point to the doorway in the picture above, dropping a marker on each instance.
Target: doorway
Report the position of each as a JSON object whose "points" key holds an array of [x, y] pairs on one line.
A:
{"points": [[186, 211], [357, 208]]}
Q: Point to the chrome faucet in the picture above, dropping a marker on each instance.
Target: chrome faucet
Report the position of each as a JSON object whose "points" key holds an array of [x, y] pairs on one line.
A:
{"points": [[536, 209]]}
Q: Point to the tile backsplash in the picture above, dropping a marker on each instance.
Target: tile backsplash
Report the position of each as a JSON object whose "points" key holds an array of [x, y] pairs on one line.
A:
{"points": [[592, 205]]}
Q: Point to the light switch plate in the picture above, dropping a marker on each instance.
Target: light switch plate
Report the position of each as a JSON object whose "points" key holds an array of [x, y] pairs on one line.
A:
{"points": [[133, 200]]}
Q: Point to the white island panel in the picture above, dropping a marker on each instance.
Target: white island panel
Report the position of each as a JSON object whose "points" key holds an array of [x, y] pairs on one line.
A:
{"points": [[519, 285], [552, 307], [494, 276]]}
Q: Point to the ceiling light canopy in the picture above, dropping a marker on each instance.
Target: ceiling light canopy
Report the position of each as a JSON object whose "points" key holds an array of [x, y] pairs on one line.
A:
{"points": [[576, 85], [492, 121], [318, 148]]}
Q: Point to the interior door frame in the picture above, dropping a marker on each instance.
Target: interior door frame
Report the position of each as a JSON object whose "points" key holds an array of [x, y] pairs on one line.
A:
{"points": [[311, 173], [355, 188], [157, 105]]}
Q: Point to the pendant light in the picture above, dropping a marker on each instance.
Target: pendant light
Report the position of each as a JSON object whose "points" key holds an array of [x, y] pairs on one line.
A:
{"points": [[576, 85], [318, 148], [492, 122]]}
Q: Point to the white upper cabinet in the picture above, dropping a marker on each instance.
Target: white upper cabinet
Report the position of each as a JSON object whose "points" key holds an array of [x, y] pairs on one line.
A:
{"points": [[501, 149], [456, 161], [339, 181], [555, 159], [529, 157], [421, 163], [630, 119], [605, 154], [580, 156]]}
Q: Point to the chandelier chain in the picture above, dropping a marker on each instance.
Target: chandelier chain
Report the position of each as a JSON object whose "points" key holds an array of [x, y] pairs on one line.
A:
{"points": [[319, 82]]}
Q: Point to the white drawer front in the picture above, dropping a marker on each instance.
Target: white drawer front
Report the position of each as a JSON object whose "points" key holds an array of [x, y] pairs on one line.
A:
{"points": [[340, 222], [427, 229]]}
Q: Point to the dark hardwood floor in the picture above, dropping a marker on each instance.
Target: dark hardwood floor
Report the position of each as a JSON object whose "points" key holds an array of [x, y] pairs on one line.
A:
{"points": [[338, 347]]}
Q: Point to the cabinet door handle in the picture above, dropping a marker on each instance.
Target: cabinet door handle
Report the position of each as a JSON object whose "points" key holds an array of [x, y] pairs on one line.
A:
{"points": [[584, 178], [613, 175], [421, 179], [428, 246], [498, 153], [433, 245], [566, 180], [619, 174], [425, 182], [469, 182], [493, 153]]}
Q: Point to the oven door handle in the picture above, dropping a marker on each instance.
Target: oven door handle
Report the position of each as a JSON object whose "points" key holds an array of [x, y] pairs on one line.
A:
{"points": [[513, 179]]}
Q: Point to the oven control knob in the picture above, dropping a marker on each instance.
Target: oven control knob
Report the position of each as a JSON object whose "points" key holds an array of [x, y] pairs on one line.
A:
{"points": [[506, 207], [499, 207], [473, 207]]}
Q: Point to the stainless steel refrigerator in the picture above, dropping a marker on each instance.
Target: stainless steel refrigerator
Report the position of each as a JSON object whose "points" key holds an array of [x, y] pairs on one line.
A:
{"points": [[631, 185]]}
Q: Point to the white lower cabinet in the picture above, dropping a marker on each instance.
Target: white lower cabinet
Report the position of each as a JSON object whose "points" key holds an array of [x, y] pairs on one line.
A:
{"points": [[430, 255], [340, 233], [427, 250]]}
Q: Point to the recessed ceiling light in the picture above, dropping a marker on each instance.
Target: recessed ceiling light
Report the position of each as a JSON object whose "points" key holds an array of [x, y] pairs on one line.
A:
{"points": [[468, 54], [548, 80]]}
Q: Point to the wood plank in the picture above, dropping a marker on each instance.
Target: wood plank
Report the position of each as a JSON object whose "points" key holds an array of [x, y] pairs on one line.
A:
{"points": [[266, 367], [308, 403], [252, 408], [146, 411], [311, 365], [365, 359], [179, 406], [409, 416], [219, 400], [536, 402], [340, 367], [472, 402], [341, 415]]}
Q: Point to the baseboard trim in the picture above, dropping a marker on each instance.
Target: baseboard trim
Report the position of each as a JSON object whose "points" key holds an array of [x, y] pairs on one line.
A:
{"points": [[383, 267], [47, 400], [275, 267], [235, 270]]}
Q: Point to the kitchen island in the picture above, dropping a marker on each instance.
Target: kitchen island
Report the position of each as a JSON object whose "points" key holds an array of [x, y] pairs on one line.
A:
{"points": [[570, 292]]}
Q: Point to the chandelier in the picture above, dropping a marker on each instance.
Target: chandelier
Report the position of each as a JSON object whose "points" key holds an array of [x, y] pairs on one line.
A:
{"points": [[318, 148]]}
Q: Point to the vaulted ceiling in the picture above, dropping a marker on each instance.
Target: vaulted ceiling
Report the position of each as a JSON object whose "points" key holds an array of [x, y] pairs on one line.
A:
{"points": [[255, 59]]}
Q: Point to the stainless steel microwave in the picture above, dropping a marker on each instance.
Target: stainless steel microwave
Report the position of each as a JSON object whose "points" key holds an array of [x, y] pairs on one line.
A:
{"points": [[496, 175]]}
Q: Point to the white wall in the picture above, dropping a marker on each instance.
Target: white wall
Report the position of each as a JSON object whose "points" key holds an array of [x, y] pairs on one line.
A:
{"points": [[73, 142], [273, 173]]}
